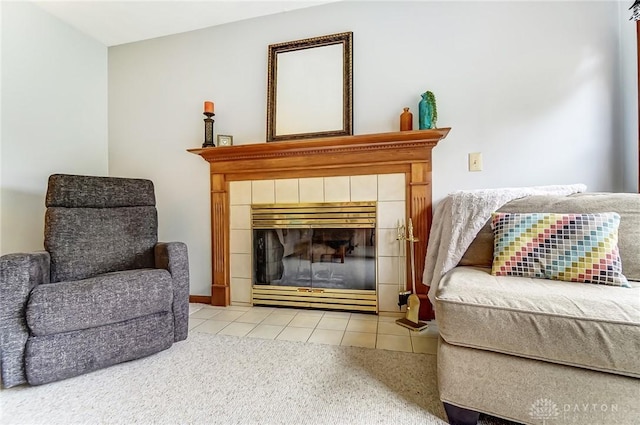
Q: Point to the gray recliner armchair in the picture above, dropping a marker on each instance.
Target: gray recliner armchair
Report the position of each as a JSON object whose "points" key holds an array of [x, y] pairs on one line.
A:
{"points": [[103, 292]]}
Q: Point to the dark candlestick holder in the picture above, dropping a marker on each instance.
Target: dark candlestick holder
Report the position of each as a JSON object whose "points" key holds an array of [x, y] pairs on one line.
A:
{"points": [[208, 130]]}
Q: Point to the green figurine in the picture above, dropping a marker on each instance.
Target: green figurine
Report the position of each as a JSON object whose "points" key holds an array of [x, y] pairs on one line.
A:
{"points": [[427, 111]]}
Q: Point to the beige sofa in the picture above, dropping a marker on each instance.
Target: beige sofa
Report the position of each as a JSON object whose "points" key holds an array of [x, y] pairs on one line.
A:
{"points": [[538, 351]]}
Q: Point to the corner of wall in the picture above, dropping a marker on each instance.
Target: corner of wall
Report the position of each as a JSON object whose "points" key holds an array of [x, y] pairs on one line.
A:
{"points": [[626, 108], [46, 62], [1, 34]]}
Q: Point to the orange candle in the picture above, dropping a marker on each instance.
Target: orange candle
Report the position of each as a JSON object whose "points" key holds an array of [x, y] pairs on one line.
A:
{"points": [[208, 107]]}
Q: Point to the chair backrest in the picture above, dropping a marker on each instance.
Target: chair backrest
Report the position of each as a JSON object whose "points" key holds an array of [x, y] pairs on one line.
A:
{"points": [[96, 225]]}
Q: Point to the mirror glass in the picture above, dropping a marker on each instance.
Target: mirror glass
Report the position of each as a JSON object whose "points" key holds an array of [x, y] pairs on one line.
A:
{"points": [[309, 88]]}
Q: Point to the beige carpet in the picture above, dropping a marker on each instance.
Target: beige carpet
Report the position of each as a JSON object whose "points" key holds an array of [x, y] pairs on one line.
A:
{"points": [[216, 379]]}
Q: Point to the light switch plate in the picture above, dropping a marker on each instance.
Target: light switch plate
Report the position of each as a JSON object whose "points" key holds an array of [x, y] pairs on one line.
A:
{"points": [[475, 161]]}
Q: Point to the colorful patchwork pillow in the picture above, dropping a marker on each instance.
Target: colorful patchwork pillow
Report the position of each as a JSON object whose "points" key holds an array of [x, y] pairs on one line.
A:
{"points": [[569, 247]]}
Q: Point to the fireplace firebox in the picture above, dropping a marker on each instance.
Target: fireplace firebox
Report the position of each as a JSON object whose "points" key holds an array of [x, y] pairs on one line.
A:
{"points": [[318, 255]]}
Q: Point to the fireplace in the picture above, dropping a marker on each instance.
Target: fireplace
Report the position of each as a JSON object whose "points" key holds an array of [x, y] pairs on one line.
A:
{"points": [[318, 255], [405, 152]]}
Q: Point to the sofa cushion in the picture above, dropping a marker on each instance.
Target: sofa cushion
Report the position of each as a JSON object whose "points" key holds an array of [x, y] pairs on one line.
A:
{"points": [[591, 326], [480, 252], [106, 299], [570, 247]]}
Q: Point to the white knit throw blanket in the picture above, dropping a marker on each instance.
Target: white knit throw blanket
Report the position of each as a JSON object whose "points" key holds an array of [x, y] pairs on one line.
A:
{"points": [[460, 216]]}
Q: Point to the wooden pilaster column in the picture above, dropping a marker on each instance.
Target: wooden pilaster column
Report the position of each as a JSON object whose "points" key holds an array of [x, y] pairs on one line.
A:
{"points": [[220, 294], [419, 209]]}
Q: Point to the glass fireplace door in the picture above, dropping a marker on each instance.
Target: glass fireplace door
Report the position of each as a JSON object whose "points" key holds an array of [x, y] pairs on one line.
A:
{"points": [[343, 259], [337, 258]]}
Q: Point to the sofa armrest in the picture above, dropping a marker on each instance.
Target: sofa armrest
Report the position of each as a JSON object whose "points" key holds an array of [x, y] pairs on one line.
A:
{"points": [[19, 274], [173, 257]]}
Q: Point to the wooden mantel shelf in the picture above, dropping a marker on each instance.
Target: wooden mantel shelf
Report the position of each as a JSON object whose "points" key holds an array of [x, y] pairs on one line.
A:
{"points": [[322, 156], [407, 152]]}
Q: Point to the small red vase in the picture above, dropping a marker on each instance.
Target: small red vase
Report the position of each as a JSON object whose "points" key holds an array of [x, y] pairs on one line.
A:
{"points": [[406, 120]]}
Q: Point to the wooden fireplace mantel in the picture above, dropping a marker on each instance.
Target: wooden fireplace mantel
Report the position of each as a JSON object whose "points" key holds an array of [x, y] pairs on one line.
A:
{"points": [[407, 152]]}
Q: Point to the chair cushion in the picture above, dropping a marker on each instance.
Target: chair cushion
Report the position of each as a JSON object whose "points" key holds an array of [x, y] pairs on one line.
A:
{"points": [[570, 247], [72, 191], [85, 242], [110, 298], [591, 326], [53, 357]]}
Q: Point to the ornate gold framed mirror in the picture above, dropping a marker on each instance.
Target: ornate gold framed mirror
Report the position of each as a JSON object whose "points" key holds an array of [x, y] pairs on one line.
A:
{"points": [[310, 86]]}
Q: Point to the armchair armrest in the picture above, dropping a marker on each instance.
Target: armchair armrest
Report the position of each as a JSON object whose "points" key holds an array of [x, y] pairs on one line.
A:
{"points": [[19, 274], [173, 257]]}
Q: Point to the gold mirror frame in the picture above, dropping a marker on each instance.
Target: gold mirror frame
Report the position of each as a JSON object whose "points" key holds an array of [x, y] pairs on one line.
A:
{"points": [[344, 40]]}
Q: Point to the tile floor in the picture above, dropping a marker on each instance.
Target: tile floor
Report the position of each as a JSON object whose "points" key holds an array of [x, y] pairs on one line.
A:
{"points": [[314, 326]]}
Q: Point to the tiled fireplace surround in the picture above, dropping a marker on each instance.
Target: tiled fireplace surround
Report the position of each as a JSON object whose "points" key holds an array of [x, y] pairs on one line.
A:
{"points": [[387, 189], [393, 169]]}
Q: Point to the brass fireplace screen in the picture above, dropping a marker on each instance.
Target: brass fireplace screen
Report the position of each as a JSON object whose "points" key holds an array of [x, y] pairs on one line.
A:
{"points": [[318, 255]]}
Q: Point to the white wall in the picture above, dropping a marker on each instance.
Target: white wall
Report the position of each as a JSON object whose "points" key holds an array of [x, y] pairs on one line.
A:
{"points": [[530, 85], [54, 116], [628, 104]]}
